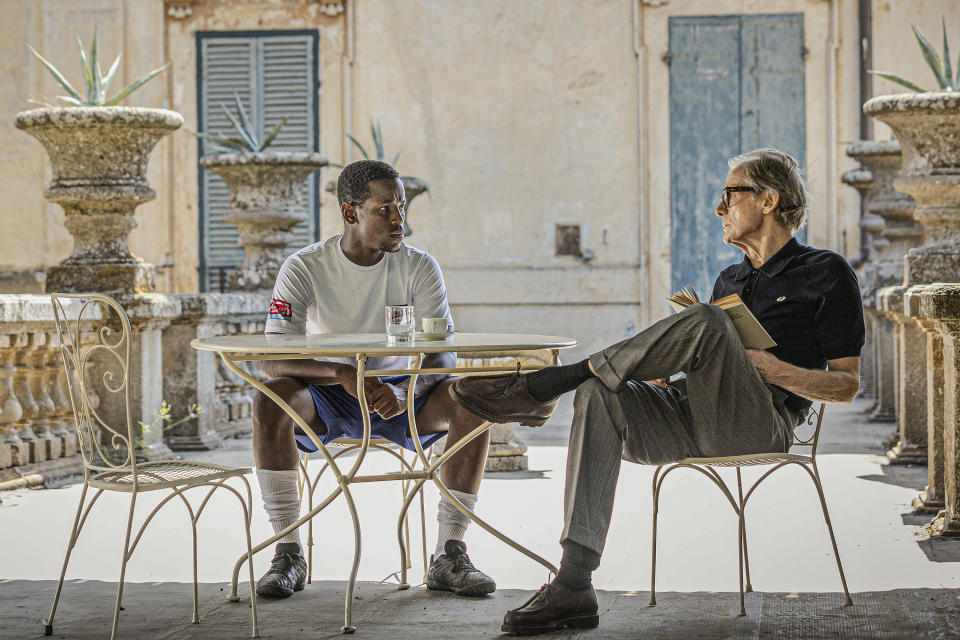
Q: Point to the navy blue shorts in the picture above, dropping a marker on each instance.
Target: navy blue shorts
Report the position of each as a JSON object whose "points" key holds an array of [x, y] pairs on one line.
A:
{"points": [[340, 412]]}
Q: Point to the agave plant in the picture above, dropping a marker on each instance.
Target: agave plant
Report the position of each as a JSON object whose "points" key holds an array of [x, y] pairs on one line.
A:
{"points": [[246, 139], [941, 68], [94, 79], [376, 132]]}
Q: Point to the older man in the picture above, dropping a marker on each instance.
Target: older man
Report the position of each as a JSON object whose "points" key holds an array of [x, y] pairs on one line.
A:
{"points": [[732, 400]]}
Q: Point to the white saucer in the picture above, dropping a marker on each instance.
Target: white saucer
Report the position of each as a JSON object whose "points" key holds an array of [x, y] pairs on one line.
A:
{"points": [[420, 335]]}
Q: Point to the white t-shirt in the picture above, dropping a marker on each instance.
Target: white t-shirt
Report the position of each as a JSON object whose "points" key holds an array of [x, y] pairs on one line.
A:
{"points": [[320, 290]]}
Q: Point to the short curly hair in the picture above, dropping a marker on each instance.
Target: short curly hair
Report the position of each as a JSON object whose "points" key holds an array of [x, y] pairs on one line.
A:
{"points": [[353, 185], [769, 169]]}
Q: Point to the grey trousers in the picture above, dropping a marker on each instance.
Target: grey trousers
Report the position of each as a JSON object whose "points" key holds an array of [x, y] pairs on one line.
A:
{"points": [[724, 408]]}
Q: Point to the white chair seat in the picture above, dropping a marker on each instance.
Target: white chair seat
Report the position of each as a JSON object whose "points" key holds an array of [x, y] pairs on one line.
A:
{"points": [[164, 474], [748, 460]]}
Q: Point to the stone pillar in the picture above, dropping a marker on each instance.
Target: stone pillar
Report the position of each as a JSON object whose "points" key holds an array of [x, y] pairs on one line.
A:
{"points": [[506, 451], [911, 377], [37, 360], [931, 500], [892, 231], [266, 201], [928, 127], [18, 450], [98, 158], [940, 305]]}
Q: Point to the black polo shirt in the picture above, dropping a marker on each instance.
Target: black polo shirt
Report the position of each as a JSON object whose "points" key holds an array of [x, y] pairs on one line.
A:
{"points": [[807, 299]]}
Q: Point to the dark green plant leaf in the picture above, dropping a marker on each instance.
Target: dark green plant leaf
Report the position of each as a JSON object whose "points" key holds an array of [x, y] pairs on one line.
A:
{"points": [[133, 86], [894, 78], [273, 134], [947, 71], [359, 146], [378, 140], [395, 158], [252, 144], [247, 127], [930, 55], [57, 76]]}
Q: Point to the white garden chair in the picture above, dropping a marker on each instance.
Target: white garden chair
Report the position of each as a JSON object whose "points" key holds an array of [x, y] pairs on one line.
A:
{"points": [[107, 360], [708, 467]]}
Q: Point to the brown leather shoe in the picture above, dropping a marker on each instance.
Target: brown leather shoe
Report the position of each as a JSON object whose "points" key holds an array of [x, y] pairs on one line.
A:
{"points": [[501, 399], [553, 607]]}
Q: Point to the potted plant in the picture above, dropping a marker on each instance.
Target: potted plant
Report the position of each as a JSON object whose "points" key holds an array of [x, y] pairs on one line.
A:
{"points": [[412, 187], [98, 154], [265, 196], [927, 124]]}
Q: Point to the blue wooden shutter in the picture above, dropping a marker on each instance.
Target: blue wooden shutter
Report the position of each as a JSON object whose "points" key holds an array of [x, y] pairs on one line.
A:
{"points": [[736, 84], [274, 74]]}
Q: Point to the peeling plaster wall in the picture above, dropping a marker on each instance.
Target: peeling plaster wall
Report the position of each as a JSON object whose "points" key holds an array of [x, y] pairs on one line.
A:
{"points": [[520, 116]]}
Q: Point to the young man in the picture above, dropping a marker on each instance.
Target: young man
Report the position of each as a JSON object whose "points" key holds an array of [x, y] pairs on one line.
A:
{"points": [[341, 285], [732, 401]]}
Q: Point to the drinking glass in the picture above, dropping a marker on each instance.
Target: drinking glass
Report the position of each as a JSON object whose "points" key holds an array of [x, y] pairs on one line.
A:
{"points": [[400, 322]]}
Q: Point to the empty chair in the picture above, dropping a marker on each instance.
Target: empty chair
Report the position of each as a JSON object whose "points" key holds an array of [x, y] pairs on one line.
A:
{"points": [[108, 450]]}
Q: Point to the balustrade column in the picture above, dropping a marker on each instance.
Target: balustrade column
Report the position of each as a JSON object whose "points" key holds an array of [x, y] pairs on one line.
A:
{"points": [[930, 501], [12, 410], [31, 410], [36, 373], [911, 362], [55, 380]]}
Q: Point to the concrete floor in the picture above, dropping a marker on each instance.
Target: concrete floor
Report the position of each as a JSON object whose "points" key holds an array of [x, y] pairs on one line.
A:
{"points": [[905, 584]]}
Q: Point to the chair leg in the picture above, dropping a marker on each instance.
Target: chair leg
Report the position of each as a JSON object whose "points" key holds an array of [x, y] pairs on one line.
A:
{"points": [[741, 543], [196, 596], [247, 516], [348, 603], [746, 556], [423, 535], [653, 539], [123, 566], [74, 534], [815, 476]]}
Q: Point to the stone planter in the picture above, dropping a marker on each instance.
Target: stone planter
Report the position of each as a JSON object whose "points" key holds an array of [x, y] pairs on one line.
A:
{"points": [[928, 127], [98, 157], [265, 204]]}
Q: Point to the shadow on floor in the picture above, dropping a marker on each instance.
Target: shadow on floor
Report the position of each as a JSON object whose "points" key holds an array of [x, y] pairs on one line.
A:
{"points": [[161, 611]]}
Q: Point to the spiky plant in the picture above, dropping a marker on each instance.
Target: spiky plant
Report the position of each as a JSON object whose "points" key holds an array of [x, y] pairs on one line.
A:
{"points": [[376, 132], [941, 68], [95, 80], [246, 139]]}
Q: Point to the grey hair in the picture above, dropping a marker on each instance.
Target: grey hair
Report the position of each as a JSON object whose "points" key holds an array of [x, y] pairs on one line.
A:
{"points": [[773, 170]]}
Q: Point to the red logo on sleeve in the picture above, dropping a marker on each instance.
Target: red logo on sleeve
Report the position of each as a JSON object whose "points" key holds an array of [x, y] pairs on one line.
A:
{"points": [[280, 310]]}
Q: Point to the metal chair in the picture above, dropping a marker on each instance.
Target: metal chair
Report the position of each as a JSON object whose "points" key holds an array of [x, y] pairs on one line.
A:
{"points": [[707, 466], [108, 451], [346, 445]]}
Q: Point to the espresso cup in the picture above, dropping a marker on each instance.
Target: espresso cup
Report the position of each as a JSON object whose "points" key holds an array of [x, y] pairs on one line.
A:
{"points": [[435, 325]]}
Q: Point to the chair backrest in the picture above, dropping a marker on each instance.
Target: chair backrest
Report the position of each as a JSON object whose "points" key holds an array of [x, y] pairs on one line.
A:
{"points": [[810, 427], [95, 337]]}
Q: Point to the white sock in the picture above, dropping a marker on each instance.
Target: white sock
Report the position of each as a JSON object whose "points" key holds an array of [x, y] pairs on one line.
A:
{"points": [[452, 523], [281, 500]]}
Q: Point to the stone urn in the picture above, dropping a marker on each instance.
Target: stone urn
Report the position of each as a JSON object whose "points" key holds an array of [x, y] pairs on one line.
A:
{"points": [[265, 203], [98, 157], [928, 128]]}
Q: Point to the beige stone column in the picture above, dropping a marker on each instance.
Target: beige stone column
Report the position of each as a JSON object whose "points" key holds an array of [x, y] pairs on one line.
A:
{"points": [[36, 361], [931, 500], [892, 231], [19, 451], [54, 379], [911, 377]]}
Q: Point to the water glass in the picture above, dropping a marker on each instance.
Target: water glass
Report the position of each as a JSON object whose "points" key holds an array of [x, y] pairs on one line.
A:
{"points": [[400, 322]]}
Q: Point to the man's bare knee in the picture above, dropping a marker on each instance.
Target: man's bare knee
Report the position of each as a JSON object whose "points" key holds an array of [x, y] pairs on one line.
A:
{"points": [[266, 412]]}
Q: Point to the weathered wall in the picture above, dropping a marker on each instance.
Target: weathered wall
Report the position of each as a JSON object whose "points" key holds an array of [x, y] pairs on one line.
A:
{"points": [[520, 115]]}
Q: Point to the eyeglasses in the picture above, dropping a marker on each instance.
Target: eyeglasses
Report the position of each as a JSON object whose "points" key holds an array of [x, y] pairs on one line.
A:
{"points": [[726, 191]]}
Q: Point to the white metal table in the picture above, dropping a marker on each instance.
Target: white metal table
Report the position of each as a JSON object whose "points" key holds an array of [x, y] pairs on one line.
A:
{"points": [[237, 348]]}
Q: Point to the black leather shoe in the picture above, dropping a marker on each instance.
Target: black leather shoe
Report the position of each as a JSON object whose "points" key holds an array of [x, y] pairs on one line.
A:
{"points": [[453, 571], [287, 573], [502, 399], [553, 607]]}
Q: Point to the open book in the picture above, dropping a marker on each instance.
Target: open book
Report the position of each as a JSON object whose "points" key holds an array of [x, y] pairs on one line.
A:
{"points": [[752, 333]]}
